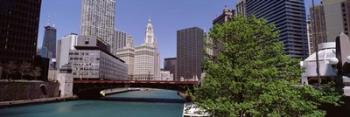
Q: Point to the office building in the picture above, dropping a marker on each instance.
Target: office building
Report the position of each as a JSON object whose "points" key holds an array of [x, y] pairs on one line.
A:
{"points": [[309, 36], [97, 19], [127, 54], [146, 64], [19, 22], [226, 15], [189, 53], [317, 27], [166, 75], [120, 40], [48, 49], [241, 8], [95, 62], [64, 46], [289, 17], [214, 47], [337, 17], [346, 16], [170, 65]]}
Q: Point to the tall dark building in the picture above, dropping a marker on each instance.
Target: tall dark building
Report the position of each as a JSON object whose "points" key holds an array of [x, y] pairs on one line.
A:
{"points": [[289, 17], [189, 53], [48, 49], [170, 65], [317, 27], [19, 22]]}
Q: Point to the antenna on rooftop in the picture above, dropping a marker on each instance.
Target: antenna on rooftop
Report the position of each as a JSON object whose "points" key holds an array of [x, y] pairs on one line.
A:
{"points": [[48, 20]]}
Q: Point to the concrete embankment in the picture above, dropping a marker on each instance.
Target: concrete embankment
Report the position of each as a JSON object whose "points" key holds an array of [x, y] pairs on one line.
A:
{"points": [[4, 104], [154, 100], [27, 90]]}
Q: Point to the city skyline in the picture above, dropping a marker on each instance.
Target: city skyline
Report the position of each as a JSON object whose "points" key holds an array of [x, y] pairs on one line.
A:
{"points": [[180, 58], [131, 15]]}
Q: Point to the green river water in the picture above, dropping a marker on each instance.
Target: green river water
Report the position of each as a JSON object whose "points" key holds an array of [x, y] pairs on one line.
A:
{"points": [[102, 108]]}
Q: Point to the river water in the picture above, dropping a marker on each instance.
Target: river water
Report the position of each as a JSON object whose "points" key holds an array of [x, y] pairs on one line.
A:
{"points": [[103, 108]]}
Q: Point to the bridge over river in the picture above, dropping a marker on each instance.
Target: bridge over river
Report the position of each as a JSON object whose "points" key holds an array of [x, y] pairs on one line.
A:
{"points": [[91, 88]]}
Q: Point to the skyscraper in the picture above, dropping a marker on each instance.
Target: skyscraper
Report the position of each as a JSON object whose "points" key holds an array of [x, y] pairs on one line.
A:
{"points": [[241, 7], [120, 40], [97, 19], [146, 64], [309, 36], [317, 27], [127, 54], [64, 46], [19, 22], [189, 53], [337, 17], [346, 16], [289, 17], [48, 49], [226, 15]]}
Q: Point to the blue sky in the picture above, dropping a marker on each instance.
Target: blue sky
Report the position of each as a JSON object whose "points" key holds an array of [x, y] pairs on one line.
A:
{"points": [[167, 16]]}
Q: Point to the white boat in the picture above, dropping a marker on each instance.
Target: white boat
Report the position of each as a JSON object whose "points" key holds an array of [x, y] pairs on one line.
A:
{"points": [[192, 110]]}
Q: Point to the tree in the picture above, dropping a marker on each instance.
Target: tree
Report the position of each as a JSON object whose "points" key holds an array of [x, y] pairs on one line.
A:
{"points": [[251, 76], [24, 69]]}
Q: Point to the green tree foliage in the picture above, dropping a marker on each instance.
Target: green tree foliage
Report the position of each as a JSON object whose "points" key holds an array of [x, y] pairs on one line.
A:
{"points": [[252, 76]]}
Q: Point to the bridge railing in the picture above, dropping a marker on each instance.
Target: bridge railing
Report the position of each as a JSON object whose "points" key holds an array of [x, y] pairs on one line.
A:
{"points": [[84, 81]]}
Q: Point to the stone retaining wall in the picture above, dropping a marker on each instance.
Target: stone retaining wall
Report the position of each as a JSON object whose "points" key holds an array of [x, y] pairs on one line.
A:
{"points": [[27, 90]]}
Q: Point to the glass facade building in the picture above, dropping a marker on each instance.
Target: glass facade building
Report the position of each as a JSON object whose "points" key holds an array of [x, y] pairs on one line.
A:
{"points": [[48, 49], [289, 17], [19, 22]]}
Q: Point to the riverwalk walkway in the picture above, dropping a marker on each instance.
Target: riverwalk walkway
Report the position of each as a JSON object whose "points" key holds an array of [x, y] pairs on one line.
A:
{"points": [[34, 101]]}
